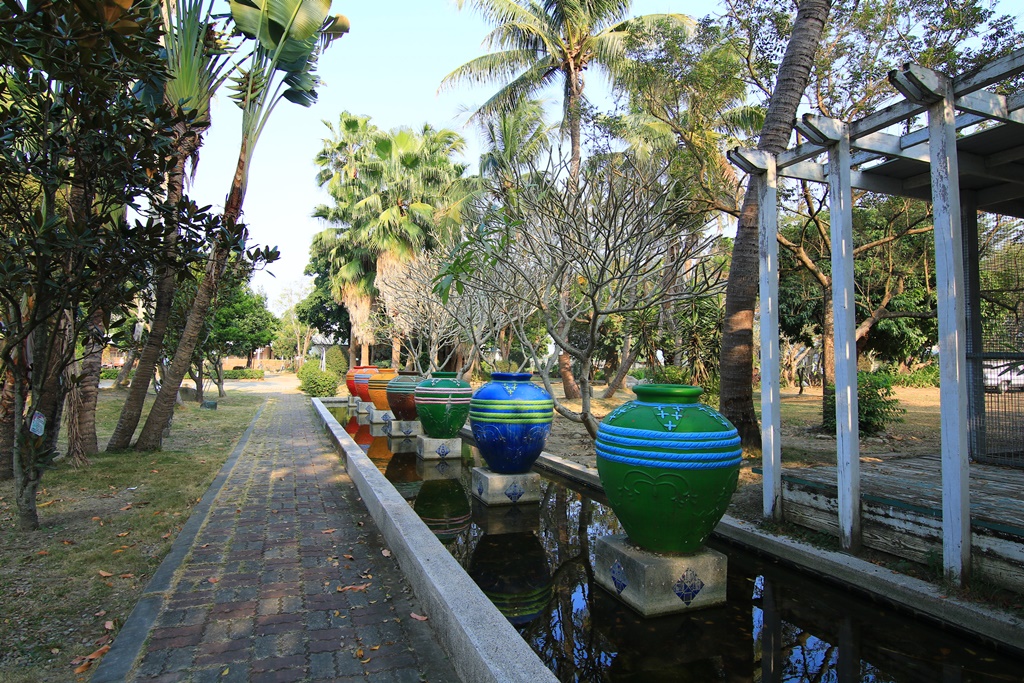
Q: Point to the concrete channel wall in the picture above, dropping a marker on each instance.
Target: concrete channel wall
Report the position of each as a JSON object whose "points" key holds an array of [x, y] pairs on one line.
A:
{"points": [[480, 642]]}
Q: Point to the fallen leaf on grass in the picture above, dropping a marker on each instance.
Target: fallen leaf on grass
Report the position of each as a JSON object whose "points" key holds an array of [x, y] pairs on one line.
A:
{"points": [[364, 661], [101, 641], [95, 519], [418, 617], [43, 552], [68, 541], [213, 579], [155, 471], [167, 535], [328, 531], [109, 625], [123, 534], [385, 552], [105, 574], [127, 576], [55, 651], [101, 613], [348, 557], [375, 648], [359, 653], [225, 672], [126, 507], [83, 668], [98, 653], [47, 503]]}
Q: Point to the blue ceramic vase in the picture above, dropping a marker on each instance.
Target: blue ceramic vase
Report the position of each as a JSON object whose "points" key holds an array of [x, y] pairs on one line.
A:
{"points": [[511, 418]]}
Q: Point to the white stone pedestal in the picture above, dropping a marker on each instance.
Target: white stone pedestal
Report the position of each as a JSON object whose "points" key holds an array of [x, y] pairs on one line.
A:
{"points": [[655, 584], [362, 419], [506, 519], [408, 428], [364, 406], [401, 444], [430, 448], [353, 401], [505, 489], [431, 470], [378, 416]]}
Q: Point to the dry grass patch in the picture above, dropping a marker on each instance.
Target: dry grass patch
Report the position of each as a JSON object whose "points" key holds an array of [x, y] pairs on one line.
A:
{"points": [[66, 589]]}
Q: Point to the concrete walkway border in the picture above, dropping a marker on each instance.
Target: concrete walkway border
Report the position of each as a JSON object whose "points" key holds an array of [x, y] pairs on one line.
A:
{"points": [[919, 597], [480, 642], [118, 662]]}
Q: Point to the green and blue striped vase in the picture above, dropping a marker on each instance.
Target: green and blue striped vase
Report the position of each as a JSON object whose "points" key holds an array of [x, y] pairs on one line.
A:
{"points": [[511, 418], [669, 465], [442, 404]]}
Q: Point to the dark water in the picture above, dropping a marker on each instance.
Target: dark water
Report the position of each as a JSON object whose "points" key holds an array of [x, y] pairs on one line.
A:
{"points": [[535, 563]]}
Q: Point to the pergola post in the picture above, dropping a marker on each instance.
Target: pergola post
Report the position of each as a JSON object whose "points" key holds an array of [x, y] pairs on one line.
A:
{"points": [[762, 164], [949, 274], [936, 91], [836, 136]]}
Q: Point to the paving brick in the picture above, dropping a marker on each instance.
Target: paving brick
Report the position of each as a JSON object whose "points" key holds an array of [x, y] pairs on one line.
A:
{"points": [[275, 615]]}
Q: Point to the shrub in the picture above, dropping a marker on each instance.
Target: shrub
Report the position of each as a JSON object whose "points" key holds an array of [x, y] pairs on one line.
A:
{"points": [[670, 374], [877, 405], [317, 382], [336, 361], [925, 376], [244, 373]]}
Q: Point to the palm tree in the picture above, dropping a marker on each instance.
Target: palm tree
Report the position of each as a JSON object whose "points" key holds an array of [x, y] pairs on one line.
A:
{"points": [[288, 35], [513, 139], [737, 367], [538, 43], [196, 67], [395, 194]]}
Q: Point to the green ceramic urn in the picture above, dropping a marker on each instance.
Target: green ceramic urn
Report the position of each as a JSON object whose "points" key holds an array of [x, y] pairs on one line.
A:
{"points": [[669, 466], [442, 404]]}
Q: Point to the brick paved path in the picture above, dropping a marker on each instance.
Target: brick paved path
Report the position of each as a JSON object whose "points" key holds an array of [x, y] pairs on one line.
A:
{"points": [[261, 596]]}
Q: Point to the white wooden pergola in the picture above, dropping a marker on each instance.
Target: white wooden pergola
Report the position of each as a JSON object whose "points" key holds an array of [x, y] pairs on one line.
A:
{"points": [[960, 176]]}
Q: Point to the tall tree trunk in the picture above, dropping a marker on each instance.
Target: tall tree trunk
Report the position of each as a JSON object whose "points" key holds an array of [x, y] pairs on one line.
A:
{"points": [[7, 427], [151, 437], [396, 352], [126, 369], [366, 354], [629, 354], [89, 384], [218, 369], [352, 361], [131, 412], [828, 351], [569, 386], [737, 358]]}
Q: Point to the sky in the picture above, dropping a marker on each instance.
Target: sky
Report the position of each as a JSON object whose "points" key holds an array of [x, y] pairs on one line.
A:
{"points": [[388, 67]]}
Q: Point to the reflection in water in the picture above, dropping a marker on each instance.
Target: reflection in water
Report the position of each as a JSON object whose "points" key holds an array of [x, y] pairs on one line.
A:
{"points": [[443, 506], [401, 472], [512, 570], [776, 626]]}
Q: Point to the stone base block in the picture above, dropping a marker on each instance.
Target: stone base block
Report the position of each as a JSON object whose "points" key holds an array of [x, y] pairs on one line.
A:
{"points": [[506, 519], [362, 419], [654, 584], [403, 444], [505, 489], [432, 470], [406, 428], [379, 429], [353, 401], [430, 448], [378, 416], [365, 407]]}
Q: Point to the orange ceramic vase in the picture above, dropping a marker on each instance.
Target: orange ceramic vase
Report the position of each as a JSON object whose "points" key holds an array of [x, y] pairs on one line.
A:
{"points": [[378, 387]]}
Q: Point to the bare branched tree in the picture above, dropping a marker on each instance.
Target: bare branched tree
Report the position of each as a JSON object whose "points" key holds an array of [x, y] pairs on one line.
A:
{"points": [[623, 240]]}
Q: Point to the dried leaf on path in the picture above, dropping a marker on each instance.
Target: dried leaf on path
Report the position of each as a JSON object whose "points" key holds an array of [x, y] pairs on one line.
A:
{"points": [[418, 617]]}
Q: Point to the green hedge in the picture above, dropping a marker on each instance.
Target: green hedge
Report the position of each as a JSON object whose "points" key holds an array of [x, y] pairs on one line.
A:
{"points": [[243, 374], [317, 382], [111, 373], [927, 376], [336, 361]]}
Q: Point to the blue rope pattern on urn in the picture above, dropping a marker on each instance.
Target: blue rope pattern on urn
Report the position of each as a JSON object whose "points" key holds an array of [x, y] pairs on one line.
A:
{"points": [[652, 434], [664, 443], [677, 465]]}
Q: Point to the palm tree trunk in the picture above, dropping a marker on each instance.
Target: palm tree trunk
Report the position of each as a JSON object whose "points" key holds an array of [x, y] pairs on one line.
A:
{"points": [[366, 354], [737, 357], [151, 437], [89, 385], [396, 352], [131, 412]]}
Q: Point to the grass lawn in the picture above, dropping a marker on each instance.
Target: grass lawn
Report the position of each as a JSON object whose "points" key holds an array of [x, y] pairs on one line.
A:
{"points": [[66, 589]]}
